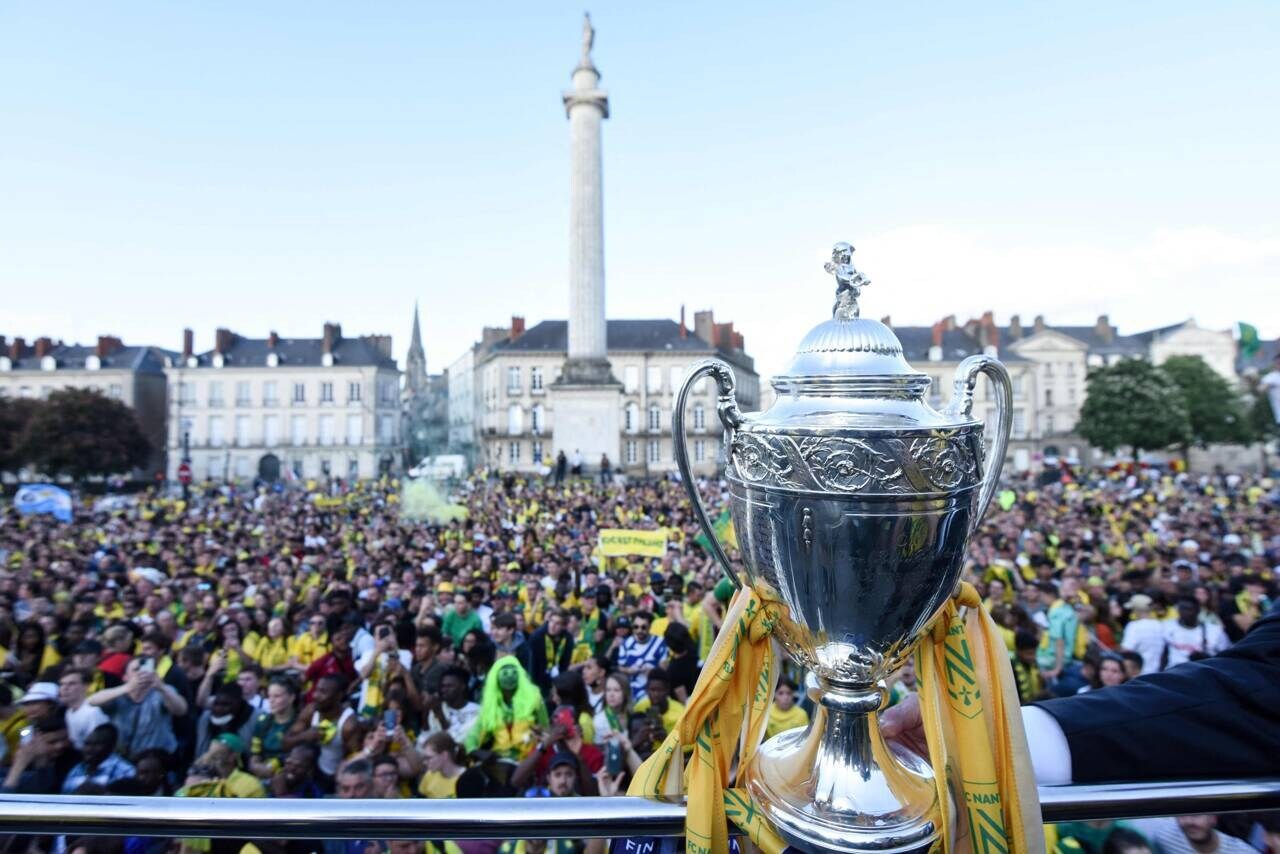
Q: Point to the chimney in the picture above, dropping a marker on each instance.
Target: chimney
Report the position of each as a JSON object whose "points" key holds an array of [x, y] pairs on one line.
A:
{"points": [[188, 343], [887, 321], [738, 343], [990, 334], [43, 345], [4, 343], [1039, 323], [332, 335], [949, 323], [16, 348], [684, 333], [703, 325], [380, 343], [1015, 327], [517, 327], [935, 346], [222, 340], [1104, 329], [273, 340], [107, 344]]}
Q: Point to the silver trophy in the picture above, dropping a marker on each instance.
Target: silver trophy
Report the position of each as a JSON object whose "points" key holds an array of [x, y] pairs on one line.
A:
{"points": [[853, 501]]}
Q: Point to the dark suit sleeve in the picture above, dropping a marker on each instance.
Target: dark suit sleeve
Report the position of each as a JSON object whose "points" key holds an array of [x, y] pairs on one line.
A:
{"points": [[1214, 718]]}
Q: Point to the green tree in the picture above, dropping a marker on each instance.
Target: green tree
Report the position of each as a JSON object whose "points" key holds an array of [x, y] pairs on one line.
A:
{"points": [[1215, 410], [1133, 404], [15, 414], [81, 433]]}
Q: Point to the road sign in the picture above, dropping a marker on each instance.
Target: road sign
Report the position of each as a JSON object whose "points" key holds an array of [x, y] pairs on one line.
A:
{"points": [[184, 473]]}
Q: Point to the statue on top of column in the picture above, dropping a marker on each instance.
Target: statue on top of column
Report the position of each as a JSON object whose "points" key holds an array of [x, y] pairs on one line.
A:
{"points": [[588, 38]]}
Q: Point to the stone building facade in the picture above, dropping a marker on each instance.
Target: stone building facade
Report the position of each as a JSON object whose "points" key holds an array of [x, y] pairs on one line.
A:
{"points": [[514, 386], [133, 375], [285, 407]]}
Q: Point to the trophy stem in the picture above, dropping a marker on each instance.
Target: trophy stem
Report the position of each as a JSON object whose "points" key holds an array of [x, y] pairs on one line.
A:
{"points": [[838, 786]]}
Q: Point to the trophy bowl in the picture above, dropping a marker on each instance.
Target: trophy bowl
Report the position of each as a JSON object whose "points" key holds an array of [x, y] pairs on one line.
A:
{"points": [[853, 502]]}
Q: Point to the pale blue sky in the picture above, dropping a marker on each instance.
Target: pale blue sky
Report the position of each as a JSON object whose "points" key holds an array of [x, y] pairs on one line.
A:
{"points": [[275, 165]]}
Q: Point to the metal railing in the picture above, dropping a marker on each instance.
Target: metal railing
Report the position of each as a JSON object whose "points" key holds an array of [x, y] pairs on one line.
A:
{"points": [[527, 819]]}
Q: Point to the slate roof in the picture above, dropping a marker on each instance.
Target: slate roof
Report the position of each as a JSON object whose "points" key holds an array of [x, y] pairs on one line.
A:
{"points": [[298, 352], [552, 336], [145, 360], [957, 344]]}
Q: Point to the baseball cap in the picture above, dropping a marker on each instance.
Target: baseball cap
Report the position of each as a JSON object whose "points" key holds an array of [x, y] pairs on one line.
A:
{"points": [[231, 740], [40, 692], [562, 757], [1139, 602]]}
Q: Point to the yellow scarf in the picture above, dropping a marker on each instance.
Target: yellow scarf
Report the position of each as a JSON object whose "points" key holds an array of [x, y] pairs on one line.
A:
{"points": [[969, 703]]}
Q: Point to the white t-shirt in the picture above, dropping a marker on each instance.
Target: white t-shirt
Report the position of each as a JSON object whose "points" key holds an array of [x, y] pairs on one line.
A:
{"points": [[1145, 636], [1207, 638], [83, 721], [460, 722]]}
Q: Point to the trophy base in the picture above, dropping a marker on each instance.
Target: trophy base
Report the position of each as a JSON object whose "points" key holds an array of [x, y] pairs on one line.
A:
{"points": [[837, 786]]}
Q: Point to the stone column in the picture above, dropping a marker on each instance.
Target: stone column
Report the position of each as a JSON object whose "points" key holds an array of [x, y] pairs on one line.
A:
{"points": [[586, 106]]}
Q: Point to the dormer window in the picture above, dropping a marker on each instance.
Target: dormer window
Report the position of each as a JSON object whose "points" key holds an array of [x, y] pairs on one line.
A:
{"points": [[218, 360], [6, 364], [327, 360], [48, 363], [93, 363], [193, 362], [273, 360]]}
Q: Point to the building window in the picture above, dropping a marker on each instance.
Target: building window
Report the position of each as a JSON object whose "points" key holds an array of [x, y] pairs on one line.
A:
{"points": [[699, 450], [1071, 369], [537, 452], [185, 428], [326, 392], [630, 452], [677, 377], [242, 467], [242, 431], [653, 380], [513, 379], [699, 418], [298, 429], [295, 466], [242, 393], [535, 420], [513, 452], [1048, 425], [299, 393], [1048, 369], [631, 418], [325, 433], [116, 391], [386, 429], [269, 397], [186, 393], [270, 430], [1019, 423], [215, 467], [215, 431], [515, 420], [386, 390], [1048, 397], [535, 379], [1018, 385], [355, 429], [353, 467], [1071, 394], [353, 392], [655, 418], [655, 451], [631, 379]]}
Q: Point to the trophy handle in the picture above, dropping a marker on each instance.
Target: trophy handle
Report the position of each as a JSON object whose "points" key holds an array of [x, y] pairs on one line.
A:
{"points": [[962, 405], [730, 417]]}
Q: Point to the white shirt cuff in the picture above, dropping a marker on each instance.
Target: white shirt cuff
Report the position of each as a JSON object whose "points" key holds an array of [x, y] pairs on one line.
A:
{"points": [[1047, 743]]}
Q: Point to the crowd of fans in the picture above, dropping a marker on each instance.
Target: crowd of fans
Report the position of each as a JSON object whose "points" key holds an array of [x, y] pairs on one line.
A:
{"points": [[311, 642]]}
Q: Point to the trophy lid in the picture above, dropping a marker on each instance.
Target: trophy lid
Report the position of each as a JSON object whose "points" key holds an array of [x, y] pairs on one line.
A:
{"points": [[850, 355]]}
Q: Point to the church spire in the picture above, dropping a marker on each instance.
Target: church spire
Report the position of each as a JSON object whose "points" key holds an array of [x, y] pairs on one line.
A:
{"points": [[415, 367]]}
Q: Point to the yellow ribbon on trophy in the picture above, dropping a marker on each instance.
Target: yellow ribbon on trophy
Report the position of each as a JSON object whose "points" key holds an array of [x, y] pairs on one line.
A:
{"points": [[972, 724]]}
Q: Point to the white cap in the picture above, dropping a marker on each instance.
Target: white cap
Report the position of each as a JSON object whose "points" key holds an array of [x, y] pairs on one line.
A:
{"points": [[41, 692]]}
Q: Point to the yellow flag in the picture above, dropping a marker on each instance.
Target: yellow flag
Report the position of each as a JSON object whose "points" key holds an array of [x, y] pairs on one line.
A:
{"points": [[623, 541]]}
